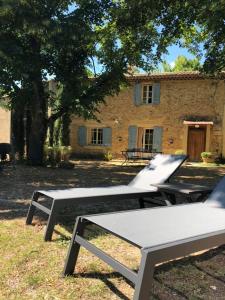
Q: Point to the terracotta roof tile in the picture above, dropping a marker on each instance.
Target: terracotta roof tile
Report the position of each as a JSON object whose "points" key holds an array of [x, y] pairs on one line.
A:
{"points": [[187, 75]]}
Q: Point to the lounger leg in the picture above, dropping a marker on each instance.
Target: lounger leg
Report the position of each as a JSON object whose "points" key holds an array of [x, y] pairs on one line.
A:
{"points": [[32, 209], [141, 202], [74, 249], [144, 282], [51, 222], [166, 199]]}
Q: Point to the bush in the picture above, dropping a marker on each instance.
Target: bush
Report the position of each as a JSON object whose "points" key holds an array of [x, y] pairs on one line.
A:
{"points": [[89, 156], [108, 156], [65, 152], [206, 155], [55, 155]]}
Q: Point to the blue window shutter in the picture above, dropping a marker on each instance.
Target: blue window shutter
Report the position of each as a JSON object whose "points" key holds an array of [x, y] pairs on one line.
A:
{"points": [[137, 93], [107, 136], [132, 137], [156, 93], [82, 136], [157, 139]]}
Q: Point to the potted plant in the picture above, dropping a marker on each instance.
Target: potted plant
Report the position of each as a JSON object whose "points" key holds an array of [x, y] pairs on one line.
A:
{"points": [[108, 156], [207, 157]]}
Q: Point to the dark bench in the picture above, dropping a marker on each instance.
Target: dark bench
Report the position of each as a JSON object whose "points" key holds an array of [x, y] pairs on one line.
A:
{"points": [[138, 154]]}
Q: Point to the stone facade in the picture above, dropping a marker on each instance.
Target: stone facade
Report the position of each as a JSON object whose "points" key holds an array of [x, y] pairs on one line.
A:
{"points": [[185, 97], [5, 126]]}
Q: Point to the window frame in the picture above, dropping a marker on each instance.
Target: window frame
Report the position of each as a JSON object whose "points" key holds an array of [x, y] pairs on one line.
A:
{"points": [[151, 133], [97, 136], [146, 100]]}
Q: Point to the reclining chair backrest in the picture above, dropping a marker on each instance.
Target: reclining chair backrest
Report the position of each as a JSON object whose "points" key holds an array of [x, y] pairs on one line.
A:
{"points": [[217, 197], [159, 170]]}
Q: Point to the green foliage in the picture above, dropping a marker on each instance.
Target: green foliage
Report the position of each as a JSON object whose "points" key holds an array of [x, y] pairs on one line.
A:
{"points": [[199, 26], [206, 155], [57, 154], [108, 156], [53, 38], [182, 63]]}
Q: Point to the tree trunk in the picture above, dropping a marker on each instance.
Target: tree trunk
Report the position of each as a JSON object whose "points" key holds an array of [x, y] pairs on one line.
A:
{"points": [[28, 127], [65, 131], [18, 141], [51, 133], [38, 128]]}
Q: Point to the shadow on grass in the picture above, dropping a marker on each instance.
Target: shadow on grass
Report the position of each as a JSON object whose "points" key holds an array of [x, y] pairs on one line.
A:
{"points": [[159, 270], [17, 185], [209, 274], [105, 278], [12, 209]]}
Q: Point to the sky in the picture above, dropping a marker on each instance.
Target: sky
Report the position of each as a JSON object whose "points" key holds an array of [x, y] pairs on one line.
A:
{"points": [[174, 51]]}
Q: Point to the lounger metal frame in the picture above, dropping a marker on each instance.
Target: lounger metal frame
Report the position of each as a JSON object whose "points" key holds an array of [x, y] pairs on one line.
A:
{"points": [[59, 204], [150, 257]]}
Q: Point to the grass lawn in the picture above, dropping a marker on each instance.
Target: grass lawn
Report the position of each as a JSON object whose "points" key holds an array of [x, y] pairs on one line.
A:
{"points": [[31, 268]]}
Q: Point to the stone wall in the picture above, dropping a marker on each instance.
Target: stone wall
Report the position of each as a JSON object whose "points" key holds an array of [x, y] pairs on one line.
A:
{"points": [[4, 126]]}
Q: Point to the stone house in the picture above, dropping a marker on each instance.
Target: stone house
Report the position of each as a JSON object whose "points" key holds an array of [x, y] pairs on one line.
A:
{"points": [[162, 112]]}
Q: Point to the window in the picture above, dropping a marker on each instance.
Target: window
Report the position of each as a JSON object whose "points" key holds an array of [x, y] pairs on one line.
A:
{"points": [[148, 139], [147, 94], [96, 136]]}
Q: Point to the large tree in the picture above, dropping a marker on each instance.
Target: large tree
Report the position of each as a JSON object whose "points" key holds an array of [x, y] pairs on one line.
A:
{"points": [[182, 63], [65, 39], [199, 26]]}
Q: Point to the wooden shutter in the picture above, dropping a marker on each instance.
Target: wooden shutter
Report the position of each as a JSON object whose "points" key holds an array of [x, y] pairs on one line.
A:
{"points": [[140, 137], [156, 93], [157, 139], [132, 137], [82, 136], [107, 136], [137, 93]]}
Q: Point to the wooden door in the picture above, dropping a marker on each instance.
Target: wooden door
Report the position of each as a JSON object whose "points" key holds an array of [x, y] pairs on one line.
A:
{"points": [[196, 142]]}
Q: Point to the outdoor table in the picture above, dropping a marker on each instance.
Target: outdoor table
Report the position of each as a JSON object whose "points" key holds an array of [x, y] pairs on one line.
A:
{"points": [[171, 190], [138, 154]]}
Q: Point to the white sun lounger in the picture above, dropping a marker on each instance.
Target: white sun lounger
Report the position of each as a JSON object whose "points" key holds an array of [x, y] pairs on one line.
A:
{"points": [[161, 233], [161, 168]]}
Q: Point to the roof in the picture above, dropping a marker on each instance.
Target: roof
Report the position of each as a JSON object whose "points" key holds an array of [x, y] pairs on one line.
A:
{"points": [[185, 75]]}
